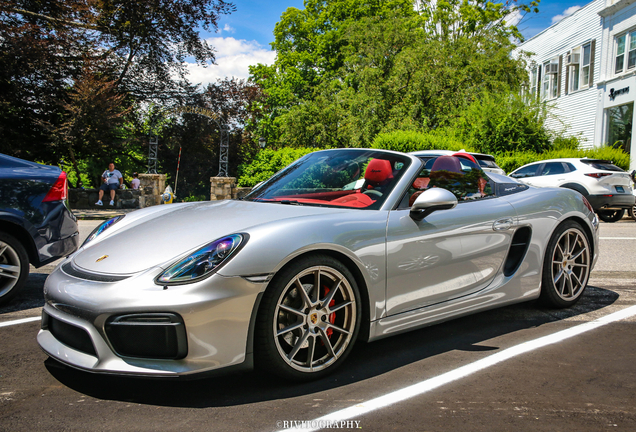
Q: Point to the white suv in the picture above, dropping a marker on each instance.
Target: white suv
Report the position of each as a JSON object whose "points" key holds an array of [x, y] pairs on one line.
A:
{"points": [[606, 186]]}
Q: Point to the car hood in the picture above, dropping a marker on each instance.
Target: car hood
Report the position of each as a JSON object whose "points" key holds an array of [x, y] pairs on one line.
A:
{"points": [[157, 237]]}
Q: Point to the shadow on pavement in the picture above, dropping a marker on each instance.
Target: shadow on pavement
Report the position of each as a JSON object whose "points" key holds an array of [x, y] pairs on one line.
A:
{"points": [[366, 360]]}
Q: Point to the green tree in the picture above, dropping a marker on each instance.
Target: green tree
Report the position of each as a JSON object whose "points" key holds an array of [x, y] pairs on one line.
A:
{"points": [[402, 69]]}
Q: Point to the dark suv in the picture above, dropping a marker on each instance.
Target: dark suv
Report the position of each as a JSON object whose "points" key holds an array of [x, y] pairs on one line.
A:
{"points": [[36, 225]]}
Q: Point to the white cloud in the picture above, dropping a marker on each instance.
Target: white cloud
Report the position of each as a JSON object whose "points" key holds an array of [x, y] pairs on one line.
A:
{"points": [[566, 13], [233, 58], [227, 28]]}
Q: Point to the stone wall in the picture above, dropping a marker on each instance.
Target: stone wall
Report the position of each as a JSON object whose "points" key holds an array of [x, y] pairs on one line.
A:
{"points": [[151, 187], [86, 199], [222, 188]]}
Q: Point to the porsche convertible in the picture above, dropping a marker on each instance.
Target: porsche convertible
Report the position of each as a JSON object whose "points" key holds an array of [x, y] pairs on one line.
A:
{"points": [[341, 246]]}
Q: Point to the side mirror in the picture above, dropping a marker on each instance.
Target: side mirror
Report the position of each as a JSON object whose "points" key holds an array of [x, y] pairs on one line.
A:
{"points": [[432, 200]]}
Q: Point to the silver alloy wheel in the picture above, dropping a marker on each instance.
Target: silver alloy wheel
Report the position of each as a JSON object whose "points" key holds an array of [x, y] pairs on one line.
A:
{"points": [[10, 268], [313, 327], [571, 264]]}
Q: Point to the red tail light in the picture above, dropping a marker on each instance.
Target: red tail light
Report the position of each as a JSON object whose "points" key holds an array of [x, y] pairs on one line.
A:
{"points": [[598, 175], [59, 190], [587, 204]]}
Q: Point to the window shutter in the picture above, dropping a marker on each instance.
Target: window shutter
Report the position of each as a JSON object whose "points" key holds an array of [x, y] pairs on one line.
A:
{"points": [[559, 76], [539, 83], [567, 79], [592, 49]]}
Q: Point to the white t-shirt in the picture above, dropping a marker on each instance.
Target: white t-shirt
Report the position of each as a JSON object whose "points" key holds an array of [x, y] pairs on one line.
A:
{"points": [[112, 176], [135, 183]]}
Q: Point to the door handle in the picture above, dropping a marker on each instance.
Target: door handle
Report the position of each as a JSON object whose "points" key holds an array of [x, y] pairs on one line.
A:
{"points": [[502, 224]]}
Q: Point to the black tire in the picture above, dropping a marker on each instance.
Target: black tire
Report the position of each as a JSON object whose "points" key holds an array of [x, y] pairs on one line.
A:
{"points": [[566, 266], [632, 212], [298, 335], [611, 215], [14, 267]]}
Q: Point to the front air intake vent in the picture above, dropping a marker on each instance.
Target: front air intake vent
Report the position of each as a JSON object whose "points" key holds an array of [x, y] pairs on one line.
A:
{"points": [[70, 335], [518, 249], [148, 335]]}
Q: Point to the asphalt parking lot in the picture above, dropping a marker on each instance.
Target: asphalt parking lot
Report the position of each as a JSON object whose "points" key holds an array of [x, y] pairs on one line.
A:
{"points": [[572, 373]]}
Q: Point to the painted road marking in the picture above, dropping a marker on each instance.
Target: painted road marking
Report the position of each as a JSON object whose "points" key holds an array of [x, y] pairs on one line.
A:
{"points": [[617, 238], [356, 411], [20, 321]]}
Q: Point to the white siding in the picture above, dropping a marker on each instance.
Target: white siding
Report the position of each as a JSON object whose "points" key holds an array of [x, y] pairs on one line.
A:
{"points": [[575, 112]]}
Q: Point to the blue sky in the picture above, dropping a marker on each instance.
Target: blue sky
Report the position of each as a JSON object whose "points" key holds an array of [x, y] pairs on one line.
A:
{"points": [[244, 36]]}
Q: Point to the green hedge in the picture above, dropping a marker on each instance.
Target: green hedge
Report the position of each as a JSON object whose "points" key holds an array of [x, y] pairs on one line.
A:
{"points": [[267, 163], [408, 141]]}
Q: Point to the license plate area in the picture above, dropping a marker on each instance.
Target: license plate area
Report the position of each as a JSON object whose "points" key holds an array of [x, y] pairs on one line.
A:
{"points": [[620, 189]]}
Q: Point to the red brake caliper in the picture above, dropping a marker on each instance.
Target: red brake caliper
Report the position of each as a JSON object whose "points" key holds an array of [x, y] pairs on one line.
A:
{"points": [[332, 317]]}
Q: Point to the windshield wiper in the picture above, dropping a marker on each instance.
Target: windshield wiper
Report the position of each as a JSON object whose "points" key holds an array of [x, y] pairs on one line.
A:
{"points": [[289, 202]]}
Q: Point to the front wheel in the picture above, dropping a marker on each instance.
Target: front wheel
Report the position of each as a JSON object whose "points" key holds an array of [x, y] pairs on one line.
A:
{"points": [[632, 212], [566, 266], [308, 320], [14, 267], [611, 215]]}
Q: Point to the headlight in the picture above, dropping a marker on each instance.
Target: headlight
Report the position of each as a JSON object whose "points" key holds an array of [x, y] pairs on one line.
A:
{"points": [[101, 228], [203, 262]]}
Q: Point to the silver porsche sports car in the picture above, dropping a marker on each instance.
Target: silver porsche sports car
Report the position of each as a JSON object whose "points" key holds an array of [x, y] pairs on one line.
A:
{"points": [[342, 245]]}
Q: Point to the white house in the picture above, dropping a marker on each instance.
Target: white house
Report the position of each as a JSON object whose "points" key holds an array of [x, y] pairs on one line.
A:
{"points": [[584, 66]]}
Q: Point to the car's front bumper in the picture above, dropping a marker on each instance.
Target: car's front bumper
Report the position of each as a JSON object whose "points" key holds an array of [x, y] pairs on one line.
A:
{"points": [[216, 312], [613, 201]]}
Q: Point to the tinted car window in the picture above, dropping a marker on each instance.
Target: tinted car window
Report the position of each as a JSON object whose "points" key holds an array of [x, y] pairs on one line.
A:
{"points": [[552, 168], [527, 171], [602, 165]]}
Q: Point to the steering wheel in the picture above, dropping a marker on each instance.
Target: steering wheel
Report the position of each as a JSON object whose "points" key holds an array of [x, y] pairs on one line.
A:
{"points": [[372, 192]]}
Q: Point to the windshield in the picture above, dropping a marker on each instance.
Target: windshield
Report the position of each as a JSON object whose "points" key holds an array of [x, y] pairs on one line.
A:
{"points": [[353, 178]]}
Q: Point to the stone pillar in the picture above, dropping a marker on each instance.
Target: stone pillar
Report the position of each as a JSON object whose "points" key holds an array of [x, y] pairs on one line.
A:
{"points": [[151, 187], [222, 188]]}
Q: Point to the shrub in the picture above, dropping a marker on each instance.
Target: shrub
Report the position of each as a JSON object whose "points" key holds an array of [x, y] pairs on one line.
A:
{"points": [[408, 141], [504, 122], [267, 163]]}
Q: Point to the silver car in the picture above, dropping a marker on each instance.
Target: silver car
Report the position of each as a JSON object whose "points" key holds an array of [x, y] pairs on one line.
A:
{"points": [[342, 245]]}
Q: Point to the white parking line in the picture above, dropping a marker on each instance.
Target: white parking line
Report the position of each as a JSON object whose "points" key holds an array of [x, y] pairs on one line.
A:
{"points": [[356, 411], [20, 321], [617, 238]]}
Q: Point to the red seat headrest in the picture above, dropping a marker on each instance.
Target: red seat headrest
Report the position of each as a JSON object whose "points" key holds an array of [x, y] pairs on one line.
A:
{"points": [[447, 163], [378, 171], [466, 156]]}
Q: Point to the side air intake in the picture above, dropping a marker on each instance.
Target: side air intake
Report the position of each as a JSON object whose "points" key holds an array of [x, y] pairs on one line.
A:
{"points": [[518, 249]]}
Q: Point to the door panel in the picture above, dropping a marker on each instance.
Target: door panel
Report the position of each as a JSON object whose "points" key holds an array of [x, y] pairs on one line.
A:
{"points": [[449, 254]]}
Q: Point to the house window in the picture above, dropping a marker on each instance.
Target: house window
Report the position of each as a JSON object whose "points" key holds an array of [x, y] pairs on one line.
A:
{"points": [[619, 131], [579, 67], [549, 88], [625, 52]]}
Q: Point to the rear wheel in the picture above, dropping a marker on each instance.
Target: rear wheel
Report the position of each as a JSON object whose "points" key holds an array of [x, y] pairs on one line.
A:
{"points": [[566, 266], [611, 215], [308, 320], [632, 212], [14, 267]]}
